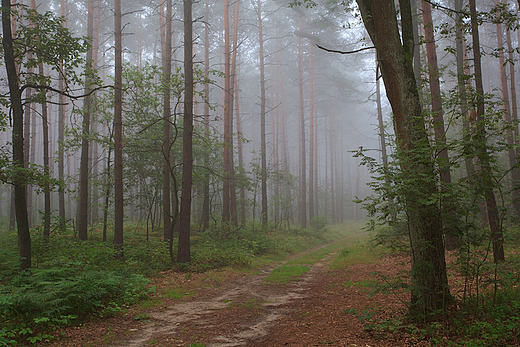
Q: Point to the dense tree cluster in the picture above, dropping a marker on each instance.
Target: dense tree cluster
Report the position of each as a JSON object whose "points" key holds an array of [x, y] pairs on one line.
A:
{"points": [[185, 116]]}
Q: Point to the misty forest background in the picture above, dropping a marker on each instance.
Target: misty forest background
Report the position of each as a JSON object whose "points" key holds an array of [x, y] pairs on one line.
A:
{"points": [[201, 134]]}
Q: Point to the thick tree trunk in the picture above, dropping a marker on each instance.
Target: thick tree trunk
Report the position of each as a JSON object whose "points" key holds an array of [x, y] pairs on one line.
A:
{"points": [[183, 255], [430, 289], [481, 139], [19, 182], [118, 131]]}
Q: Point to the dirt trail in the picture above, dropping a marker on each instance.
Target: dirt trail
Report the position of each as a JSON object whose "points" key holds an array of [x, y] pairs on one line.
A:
{"points": [[236, 315], [245, 310]]}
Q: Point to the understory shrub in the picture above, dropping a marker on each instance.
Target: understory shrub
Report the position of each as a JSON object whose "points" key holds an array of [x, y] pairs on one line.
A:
{"points": [[36, 303]]}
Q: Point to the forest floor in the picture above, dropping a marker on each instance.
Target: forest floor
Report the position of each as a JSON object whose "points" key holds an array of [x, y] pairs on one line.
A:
{"points": [[230, 308]]}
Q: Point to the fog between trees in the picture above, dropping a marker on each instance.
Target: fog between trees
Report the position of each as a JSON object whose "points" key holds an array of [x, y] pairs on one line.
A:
{"points": [[319, 107]]}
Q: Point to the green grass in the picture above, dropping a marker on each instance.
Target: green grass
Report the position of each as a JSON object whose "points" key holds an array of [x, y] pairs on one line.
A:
{"points": [[360, 252], [314, 257], [177, 293], [287, 273], [149, 303]]}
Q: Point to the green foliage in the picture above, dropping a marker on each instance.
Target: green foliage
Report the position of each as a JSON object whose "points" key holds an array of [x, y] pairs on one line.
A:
{"points": [[32, 305], [393, 237]]}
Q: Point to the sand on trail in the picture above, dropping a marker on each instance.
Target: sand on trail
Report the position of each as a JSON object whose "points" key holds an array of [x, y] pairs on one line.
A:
{"points": [[240, 312]]}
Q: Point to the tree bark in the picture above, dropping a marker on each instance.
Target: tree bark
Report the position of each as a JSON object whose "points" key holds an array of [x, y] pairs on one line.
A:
{"points": [[19, 181], [183, 255], [311, 134], [303, 165], [509, 133], [443, 160], [206, 204], [46, 168], [166, 45], [332, 186], [118, 132], [481, 139], [263, 147], [61, 138], [228, 135], [430, 289], [83, 195]]}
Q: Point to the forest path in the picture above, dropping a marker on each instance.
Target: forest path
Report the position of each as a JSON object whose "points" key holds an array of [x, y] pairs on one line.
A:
{"points": [[230, 308], [236, 314]]}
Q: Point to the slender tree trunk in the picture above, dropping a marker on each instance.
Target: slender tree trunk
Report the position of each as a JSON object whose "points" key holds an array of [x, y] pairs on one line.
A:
{"points": [[83, 196], [263, 148], [443, 160], [462, 88], [514, 117], [107, 189], [228, 140], [20, 202], [481, 140], [118, 132], [12, 212], [232, 189], [510, 134], [46, 168], [303, 165], [206, 203], [183, 255], [332, 185], [417, 46], [94, 157], [61, 137], [311, 134], [382, 140], [240, 148], [166, 45]]}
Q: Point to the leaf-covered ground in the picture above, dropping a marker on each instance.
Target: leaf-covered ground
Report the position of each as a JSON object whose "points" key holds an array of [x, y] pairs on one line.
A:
{"points": [[322, 307]]}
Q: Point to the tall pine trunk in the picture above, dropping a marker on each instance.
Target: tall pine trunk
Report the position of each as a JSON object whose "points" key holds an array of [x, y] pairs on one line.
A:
{"points": [[443, 160], [430, 290], [486, 175], [19, 182], [166, 45], [83, 195], [183, 255], [206, 204], [118, 131], [303, 165], [263, 147]]}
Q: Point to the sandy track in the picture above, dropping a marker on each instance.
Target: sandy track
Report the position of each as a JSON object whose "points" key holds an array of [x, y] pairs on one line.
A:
{"points": [[223, 319]]}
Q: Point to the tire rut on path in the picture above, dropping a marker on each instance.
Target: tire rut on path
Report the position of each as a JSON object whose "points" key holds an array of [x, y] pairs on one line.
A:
{"points": [[166, 324]]}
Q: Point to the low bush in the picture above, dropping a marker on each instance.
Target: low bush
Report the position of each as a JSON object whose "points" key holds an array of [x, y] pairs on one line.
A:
{"points": [[34, 304]]}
